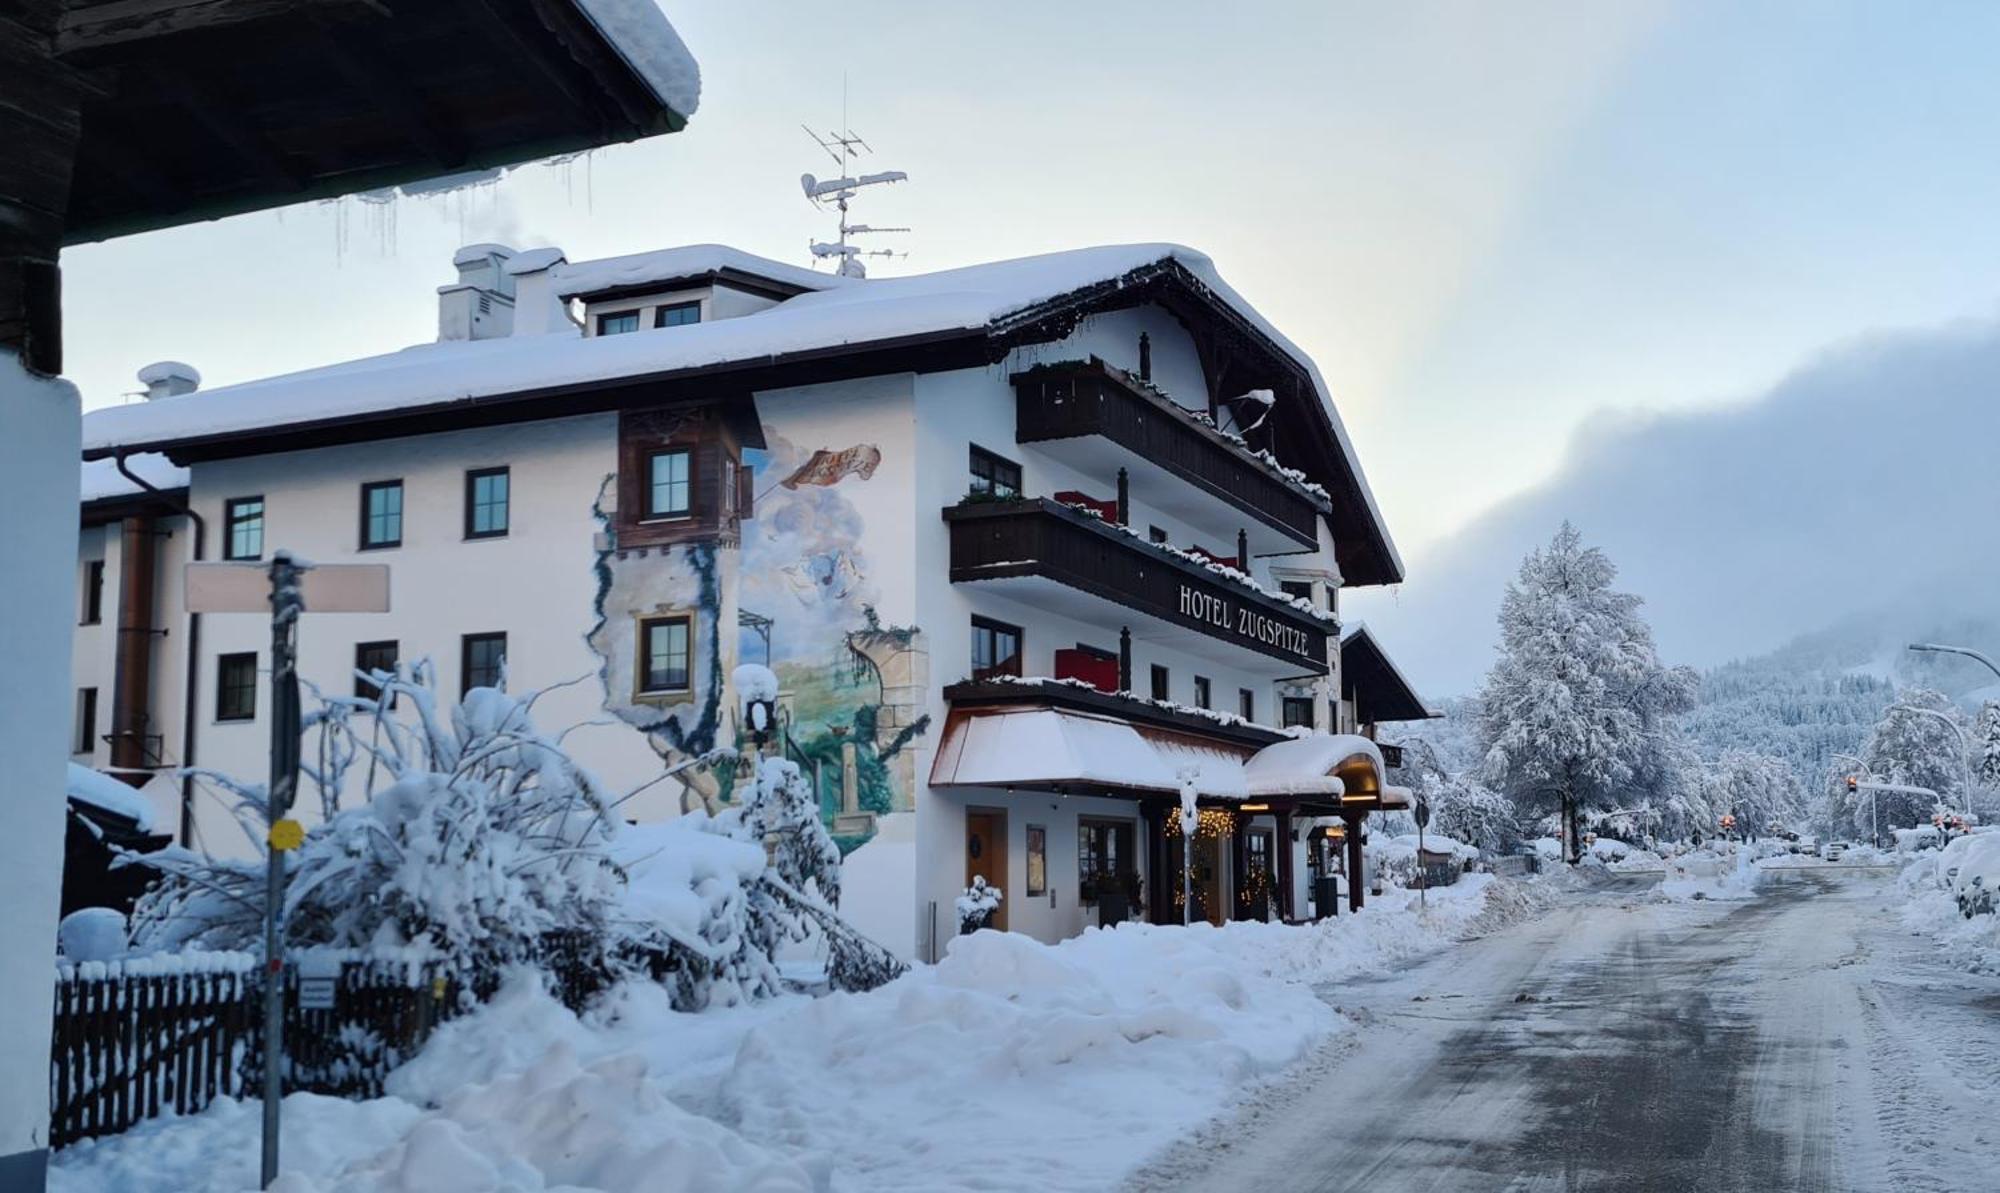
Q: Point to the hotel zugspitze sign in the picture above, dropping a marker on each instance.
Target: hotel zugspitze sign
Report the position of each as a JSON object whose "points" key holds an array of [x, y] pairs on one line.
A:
{"points": [[1244, 622]]}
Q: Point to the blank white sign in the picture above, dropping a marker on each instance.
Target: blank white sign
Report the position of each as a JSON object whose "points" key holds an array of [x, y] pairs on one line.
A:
{"points": [[326, 588]]}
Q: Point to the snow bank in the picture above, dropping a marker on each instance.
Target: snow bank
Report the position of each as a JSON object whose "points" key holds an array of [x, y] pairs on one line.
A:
{"points": [[1010, 1064], [100, 790], [1953, 896], [1717, 870]]}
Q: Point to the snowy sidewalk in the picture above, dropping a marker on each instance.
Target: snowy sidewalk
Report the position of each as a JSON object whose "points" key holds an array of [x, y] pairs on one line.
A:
{"points": [[1011, 1064]]}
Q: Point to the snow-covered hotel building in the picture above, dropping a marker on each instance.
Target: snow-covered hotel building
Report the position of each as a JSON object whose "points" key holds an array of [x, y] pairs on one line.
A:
{"points": [[1029, 546]]}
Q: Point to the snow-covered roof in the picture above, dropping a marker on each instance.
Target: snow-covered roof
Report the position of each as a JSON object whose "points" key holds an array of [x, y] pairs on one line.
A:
{"points": [[572, 278], [1400, 705], [100, 790], [643, 37], [989, 298], [101, 478], [1302, 765]]}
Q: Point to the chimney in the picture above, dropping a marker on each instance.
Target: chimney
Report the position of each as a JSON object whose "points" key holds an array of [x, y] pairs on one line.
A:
{"points": [[169, 379], [480, 305], [537, 309]]}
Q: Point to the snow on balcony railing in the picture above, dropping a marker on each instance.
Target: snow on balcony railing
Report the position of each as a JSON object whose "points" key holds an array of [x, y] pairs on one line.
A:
{"points": [[1228, 719], [1202, 418], [1234, 575]]}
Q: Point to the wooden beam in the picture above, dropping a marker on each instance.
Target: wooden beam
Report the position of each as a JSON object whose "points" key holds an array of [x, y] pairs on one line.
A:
{"points": [[40, 125], [224, 122], [369, 75], [115, 28], [506, 35]]}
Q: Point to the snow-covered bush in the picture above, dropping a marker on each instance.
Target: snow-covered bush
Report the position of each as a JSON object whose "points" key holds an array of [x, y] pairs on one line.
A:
{"points": [[977, 905]]}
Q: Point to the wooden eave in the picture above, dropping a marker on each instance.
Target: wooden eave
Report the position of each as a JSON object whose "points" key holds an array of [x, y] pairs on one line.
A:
{"points": [[198, 109]]}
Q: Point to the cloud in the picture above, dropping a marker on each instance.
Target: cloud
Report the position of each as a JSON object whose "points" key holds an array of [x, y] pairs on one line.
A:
{"points": [[1866, 482]]}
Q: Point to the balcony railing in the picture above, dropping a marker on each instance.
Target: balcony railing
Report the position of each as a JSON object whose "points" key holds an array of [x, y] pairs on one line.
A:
{"points": [[1077, 399], [1032, 537]]}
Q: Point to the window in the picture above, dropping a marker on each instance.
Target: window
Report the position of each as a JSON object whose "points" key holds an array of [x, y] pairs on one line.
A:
{"points": [[677, 314], [1246, 704], [381, 515], [664, 655], [1156, 534], [486, 495], [669, 483], [1302, 589], [1103, 851], [994, 476], [370, 657], [1160, 682], [236, 687], [481, 658], [1297, 710], [93, 592], [996, 649], [1201, 694], [86, 721], [615, 324], [1038, 860], [243, 528]]}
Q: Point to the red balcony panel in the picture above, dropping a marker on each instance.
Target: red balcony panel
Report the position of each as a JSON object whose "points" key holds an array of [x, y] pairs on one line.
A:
{"points": [[1092, 668], [1108, 510]]}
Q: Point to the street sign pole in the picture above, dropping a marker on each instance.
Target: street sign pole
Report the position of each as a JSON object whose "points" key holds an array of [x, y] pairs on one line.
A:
{"points": [[285, 590], [1423, 818], [285, 609]]}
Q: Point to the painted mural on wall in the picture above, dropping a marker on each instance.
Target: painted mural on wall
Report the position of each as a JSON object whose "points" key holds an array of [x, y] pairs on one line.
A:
{"points": [[851, 688], [643, 585]]}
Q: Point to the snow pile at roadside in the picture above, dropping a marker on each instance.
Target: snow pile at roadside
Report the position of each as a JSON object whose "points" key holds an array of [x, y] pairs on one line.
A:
{"points": [[1008, 1064], [1716, 870], [1940, 886]]}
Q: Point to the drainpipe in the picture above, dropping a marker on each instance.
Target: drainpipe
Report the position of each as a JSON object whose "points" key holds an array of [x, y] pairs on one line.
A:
{"points": [[185, 508], [132, 666]]}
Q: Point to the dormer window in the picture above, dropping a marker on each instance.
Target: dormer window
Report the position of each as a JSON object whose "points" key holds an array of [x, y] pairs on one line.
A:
{"points": [[669, 483], [677, 314], [617, 323]]}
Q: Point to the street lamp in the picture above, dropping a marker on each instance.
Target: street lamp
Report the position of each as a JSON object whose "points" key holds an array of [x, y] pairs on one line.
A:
{"points": [[1964, 744], [1967, 651]]}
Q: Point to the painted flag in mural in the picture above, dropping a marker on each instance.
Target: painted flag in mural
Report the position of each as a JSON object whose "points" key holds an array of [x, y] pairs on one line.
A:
{"points": [[830, 467]]}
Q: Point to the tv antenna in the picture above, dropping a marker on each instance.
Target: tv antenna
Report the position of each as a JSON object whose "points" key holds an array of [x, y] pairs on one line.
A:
{"points": [[838, 192]]}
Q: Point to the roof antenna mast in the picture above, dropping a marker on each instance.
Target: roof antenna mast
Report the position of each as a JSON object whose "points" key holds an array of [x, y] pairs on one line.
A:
{"points": [[842, 147]]}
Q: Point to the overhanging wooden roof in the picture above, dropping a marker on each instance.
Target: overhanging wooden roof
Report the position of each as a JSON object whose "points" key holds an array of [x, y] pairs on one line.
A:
{"points": [[1370, 678], [197, 109]]}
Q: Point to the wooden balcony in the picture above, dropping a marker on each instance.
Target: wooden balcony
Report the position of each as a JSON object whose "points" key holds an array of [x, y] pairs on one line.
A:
{"points": [[1098, 419], [1046, 550]]}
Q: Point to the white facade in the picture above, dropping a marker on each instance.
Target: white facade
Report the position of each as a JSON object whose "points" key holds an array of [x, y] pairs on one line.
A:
{"points": [[841, 580]]}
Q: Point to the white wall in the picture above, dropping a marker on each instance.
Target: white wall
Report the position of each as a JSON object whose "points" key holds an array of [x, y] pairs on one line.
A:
{"points": [[38, 539], [537, 584]]}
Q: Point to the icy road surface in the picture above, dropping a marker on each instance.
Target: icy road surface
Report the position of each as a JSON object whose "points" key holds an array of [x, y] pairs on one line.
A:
{"points": [[1800, 1040]]}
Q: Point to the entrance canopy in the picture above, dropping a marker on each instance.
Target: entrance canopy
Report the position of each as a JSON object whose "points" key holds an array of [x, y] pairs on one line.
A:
{"points": [[1046, 748]]}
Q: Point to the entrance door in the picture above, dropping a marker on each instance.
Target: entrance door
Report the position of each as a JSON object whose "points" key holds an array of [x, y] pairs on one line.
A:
{"points": [[1208, 878], [1255, 890], [986, 855]]}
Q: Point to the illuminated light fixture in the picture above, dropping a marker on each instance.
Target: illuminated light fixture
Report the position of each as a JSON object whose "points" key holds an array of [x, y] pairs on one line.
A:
{"points": [[1253, 807]]}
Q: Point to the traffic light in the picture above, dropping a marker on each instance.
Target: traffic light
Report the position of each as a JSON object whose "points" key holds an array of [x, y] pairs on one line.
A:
{"points": [[1853, 784]]}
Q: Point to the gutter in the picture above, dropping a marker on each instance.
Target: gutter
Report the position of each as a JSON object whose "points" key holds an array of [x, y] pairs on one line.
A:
{"points": [[186, 508]]}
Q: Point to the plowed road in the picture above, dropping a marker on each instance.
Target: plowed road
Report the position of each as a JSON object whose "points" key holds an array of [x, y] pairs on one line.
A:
{"points": [[1797, 1041]]}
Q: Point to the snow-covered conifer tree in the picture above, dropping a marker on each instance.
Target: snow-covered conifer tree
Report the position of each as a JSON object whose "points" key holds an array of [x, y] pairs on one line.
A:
{"points": [[1913, 749], [1578, 685]]}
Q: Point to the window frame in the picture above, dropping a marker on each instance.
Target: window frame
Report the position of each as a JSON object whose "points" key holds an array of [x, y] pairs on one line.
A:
{"points": [[472, 478], [995, 465], [1288, 586], [1287, 705], [368, 490], [660, 313], [652, 457], [1123, 836], [85, 729], [604, 317], [465, 644], [642, 672], [993, 626], [1204, 692], [365, 690], [1246, 704], [1162, 682], [230, 518], [92, 612], [225, 687]]}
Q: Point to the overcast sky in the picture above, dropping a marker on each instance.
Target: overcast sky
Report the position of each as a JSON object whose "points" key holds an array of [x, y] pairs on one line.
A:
{"points": [[1491, 224]]}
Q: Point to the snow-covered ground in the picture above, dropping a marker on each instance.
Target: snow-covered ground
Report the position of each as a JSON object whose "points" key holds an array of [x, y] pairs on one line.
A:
{"points": [[1010, 1063], [1938, 886]]}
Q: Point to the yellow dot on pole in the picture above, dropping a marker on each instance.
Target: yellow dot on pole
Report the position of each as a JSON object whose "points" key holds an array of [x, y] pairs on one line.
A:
{"points": [[287, 834]]}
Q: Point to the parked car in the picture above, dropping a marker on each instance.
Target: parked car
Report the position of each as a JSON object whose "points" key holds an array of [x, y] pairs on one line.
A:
{"points": [[1832, 850]]}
